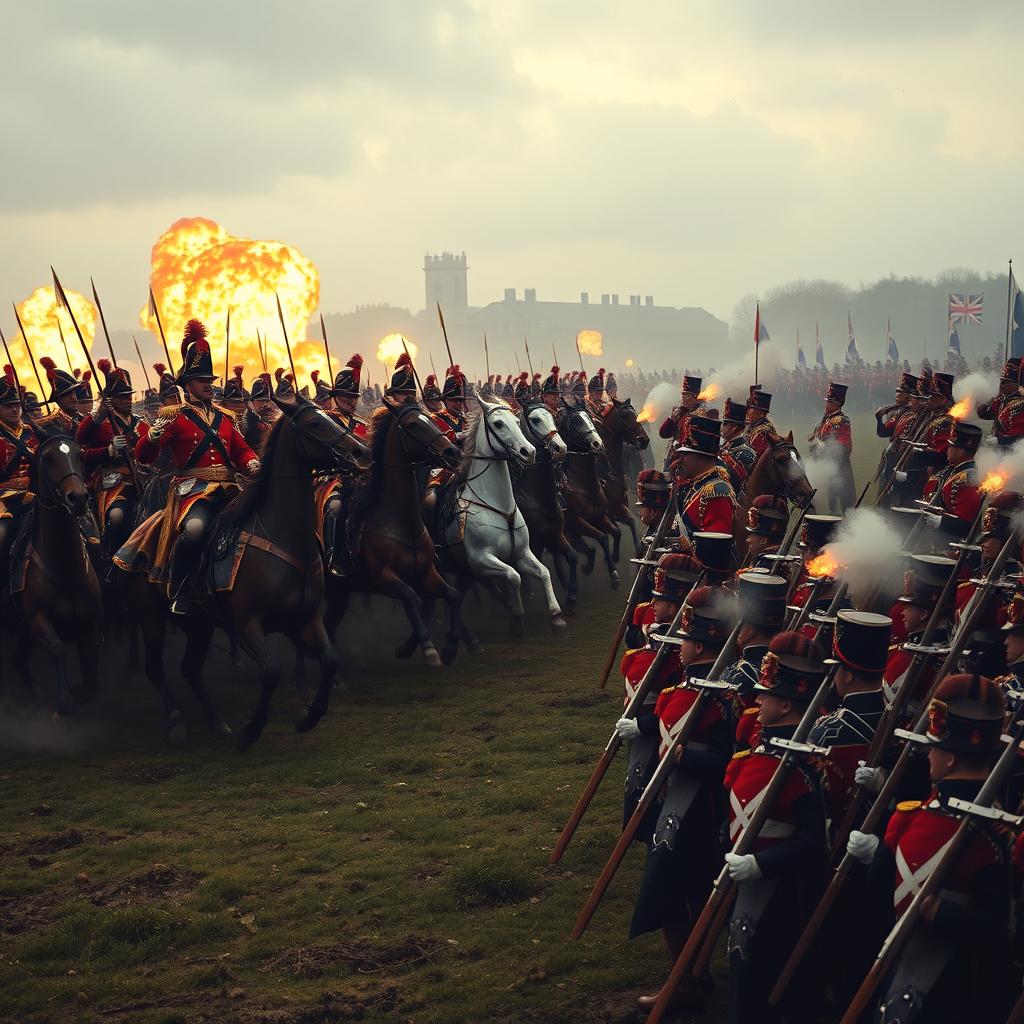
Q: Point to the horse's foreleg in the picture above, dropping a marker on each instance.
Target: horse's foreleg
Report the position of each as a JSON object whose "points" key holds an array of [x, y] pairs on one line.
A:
{"points": [[563, 550], [529, 565], [46, 635], [610, 526], [197, 647], [253, 641], [390, 584], [606, 547], [315, 637], [436, 585], [631, 523], [486, 564], [89, 663], [154, 636]]}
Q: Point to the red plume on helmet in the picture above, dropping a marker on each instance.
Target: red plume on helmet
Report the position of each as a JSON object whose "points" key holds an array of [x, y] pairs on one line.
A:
{"points": [[315, 376], [403, 360], [49, 366], [237, 371], [104, 366], [160, 368], [78, 373], [356, 365], [86, 376], [195, 334], [9, 374], [278, 374]]}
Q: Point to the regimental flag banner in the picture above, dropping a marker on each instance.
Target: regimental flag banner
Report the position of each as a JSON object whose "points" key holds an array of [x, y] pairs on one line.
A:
{"points": [[852, 355], [819, 353], [1015, 328], [892, 352], [966, 309], [953, 344], [801, 359], [760, 328]]}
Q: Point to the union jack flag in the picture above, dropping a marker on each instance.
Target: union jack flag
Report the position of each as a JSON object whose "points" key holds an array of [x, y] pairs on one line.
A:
{"points": [[966, 309]]}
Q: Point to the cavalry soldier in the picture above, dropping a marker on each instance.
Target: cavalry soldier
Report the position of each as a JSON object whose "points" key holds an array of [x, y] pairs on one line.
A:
{"points": [[84, 393], [234, 397], [595, 396], [535, 386], [955, 965], [523, 392], [683, 852], [1010, 418], [761, 600], [321, 393], [403, 381], [957, 484], [707, 502], [551, 392], [18, 445], [760, 429], [737, 456], [284, 389], [64, 396], [107, 438], [578, 391], [262, 414], [611, 386], [432, 395], [333, 491], [33, 410], [207, 450], [775, 883], [452, 419], [507, 390], [1008, 385], [151, 404], [676, 425], [767, 519], [834, 435]]}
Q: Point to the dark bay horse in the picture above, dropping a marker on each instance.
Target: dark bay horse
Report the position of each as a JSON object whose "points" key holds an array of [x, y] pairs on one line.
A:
{"points": [[393, 553], [279, 581], [536, 492], [618, 426], [586, 506], [60, 603]]}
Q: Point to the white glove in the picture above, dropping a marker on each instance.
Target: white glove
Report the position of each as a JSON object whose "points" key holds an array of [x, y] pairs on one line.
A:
{"points": [[869, 778], [901, 477], [253, 466], [120, 443], [743, 867], [932, 520], [157, 429], [861, 846], [627, 729]]}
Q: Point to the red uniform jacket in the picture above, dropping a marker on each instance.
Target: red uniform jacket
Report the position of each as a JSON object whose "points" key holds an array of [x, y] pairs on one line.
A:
{"points": [[759, 435], [356, 423], [708, 504], [835, 429], [186, 437], [936, 434], [448, 424], [96, 434], [960, 494], [16, 450], [634, 666], [1009, 425], [671, 707]]}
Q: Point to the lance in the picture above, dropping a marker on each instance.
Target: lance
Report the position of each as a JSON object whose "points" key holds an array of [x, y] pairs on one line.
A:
{"points": [[227, 345], [529, 361], [58, 289], [327, 351], [519, 368], [145, 372], [287, 345], [487, 357], [10, 362], [106, 333], [554, 354], [160, 327], [444, 331], [259, 345], [32, 359], [433, 369], [580, 354], [67, 354]]}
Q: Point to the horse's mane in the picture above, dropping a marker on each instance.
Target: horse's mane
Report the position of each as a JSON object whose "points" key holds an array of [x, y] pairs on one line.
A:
{"points": [[250, 498], [461, 475], [381, 421]]}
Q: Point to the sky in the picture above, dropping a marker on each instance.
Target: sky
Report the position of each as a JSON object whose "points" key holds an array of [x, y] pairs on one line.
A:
{"points": [[696, 151]]}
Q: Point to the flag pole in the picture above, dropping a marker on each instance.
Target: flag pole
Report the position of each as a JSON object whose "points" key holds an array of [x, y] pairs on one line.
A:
{"points": [[757, 346], [1009, 310]]}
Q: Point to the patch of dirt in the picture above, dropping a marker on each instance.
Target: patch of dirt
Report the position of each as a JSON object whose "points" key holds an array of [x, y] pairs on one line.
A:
{"points": [[360, 955], [333, 1006], [30, 912], [160, 882], [55, 842], [617, 1009], [430, 872], [152, 773], [582, 700]]}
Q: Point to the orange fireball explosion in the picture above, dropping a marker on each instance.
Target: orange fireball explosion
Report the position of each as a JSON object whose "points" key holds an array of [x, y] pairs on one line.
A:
{"points": [[201, 270], [961, 409], [710, 393], [994, 481], [824, 565], [39, 314], [646, 414], [390, 347], [590, 342]]}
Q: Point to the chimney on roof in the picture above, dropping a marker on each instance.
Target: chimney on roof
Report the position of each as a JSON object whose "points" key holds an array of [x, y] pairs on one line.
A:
{"points": [[584, 298], [615, 299], [530, 295], [604, 299], [648, 300], [510, 295]]}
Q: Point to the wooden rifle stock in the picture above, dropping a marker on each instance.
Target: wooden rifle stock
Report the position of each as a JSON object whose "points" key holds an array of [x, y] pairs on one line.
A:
{"points": [[873, 819]]}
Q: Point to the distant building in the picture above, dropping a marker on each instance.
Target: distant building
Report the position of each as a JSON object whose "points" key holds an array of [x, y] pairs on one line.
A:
{"points": [[655, 336]]}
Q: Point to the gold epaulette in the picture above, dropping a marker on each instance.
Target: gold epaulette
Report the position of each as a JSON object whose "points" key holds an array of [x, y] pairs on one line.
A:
{"points": [[906, 806], [668, 689], [225, 412], [749, 711], [170, 411], [739, 754]]}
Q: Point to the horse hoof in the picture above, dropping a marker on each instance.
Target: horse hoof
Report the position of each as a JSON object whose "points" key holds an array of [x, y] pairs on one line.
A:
{"points": [[403, 651], [448, 653], [615, 581], [474, 646], [588, 569], [431, 657], [308, 720], [558, 622], [515, 626]]}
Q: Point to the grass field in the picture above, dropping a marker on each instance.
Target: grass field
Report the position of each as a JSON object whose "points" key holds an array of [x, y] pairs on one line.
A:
{"points": [[389, 866]]}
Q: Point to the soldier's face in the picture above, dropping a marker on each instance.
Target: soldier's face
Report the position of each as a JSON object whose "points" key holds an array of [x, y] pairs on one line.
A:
{"points": [[1007, 387], [832, 407], [955, 455], [940, 763], [688, 401], [10, 414], [914, 616], [201, 390], [772, 709], [690, 652], [457, 406], [85, 406], [432, 404], [345, 404], [68, 403], [261, 405], [122, 404], [730, 430], [664, 611], [1014, 644], [990, 548], [649, 516], [753, 415]]}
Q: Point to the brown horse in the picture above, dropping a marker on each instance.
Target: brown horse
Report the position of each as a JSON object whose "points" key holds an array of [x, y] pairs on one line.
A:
{"points": [[60, 603], [278, 582], [778, 471], [586, 506], [618, 426], [393, 553]]}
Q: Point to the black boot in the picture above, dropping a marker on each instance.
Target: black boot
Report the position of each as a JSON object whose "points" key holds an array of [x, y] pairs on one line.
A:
{"points": [[331, 544], [182, 586]]}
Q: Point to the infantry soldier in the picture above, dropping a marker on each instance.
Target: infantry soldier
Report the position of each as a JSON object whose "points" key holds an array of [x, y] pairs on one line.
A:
{"points": [[707, 502], [816, 532], [737, 456], [1008, 385], [834, 435], [760, 429], [1009, 426], [18, 445], [207, 450], [960, 497], [675, 427], [767, 519]]}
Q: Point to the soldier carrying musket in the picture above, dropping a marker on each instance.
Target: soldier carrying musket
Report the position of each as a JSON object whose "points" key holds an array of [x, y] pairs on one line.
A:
{"points": [[18, 445]]}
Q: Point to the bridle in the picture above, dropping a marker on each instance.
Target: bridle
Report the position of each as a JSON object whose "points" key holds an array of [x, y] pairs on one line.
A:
{"points": [[619, 408], [299, 416], [574, 431], [787, 485], [494, 439], [429, 451], [545, 441], [47, 494]]}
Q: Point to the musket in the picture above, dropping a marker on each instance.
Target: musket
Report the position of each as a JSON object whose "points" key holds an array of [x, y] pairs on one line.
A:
{"points": [[981, 808], [745, 841], [661, 774], [160, 328], [910, 446], [880, 808], [287, 345], [433, 368], [327, 351], [106, 333], [634, 594], [259, 345], [894, 440], [487, 357], [145, 372], [529, 361], [133, 469], [67, 354], [444, 331], [227, 347], [580, 354], [32, 359]]}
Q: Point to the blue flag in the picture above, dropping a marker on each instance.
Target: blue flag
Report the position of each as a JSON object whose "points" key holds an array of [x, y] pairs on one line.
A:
{"points": [[1016, 326], [819, 353], [801, 360]]}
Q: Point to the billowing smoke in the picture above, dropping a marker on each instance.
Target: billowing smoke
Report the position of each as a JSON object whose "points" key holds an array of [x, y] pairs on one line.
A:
{"points": [[822, 469], [976, 388], [867, 552], [735, 378], [1001, 467], [658, 404]]}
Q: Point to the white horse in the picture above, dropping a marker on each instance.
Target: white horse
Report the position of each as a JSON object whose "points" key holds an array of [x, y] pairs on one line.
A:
{"points": [[487, 538]]}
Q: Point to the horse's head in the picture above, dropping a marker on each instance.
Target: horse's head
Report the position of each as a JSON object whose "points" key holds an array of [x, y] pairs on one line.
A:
{"points": [[621, 417], [580, 432], [422, 439], [58, 475], [322, 439], [498, 435], [542, 430], [789, 470]]}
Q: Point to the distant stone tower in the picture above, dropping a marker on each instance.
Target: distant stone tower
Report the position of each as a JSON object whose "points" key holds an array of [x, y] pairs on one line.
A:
{"points": [[444, 280]]}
